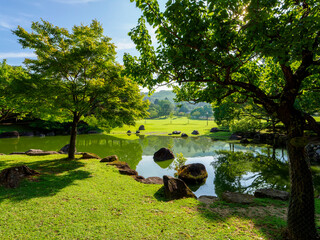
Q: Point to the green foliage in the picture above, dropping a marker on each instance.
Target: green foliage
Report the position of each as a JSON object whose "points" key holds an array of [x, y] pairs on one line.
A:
{"points": [[12, 103], [246, 124], [76, 74], [178, 162]]}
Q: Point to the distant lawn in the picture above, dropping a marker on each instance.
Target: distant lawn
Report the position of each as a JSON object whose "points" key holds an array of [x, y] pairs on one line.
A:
{"points": [[85, 199], [166, 126]]}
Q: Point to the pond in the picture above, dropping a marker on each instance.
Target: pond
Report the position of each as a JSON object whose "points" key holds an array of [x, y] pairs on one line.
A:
{"points": [[222, 176]]}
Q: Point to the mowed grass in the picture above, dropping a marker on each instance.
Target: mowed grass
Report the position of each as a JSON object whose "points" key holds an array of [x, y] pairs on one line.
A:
{"points": [[86, 199], [167, 125]]}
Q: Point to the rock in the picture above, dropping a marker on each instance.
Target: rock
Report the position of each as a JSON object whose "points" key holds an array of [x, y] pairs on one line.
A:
{"points": [[149, 180], [272, 193], [163, 154], [65, 149], [39, 152], [142, 127], [175, 188], [123, 168], [111, 158], [93, 132], [232, 197], [137, 131], [176, 132], [86, 155], [11, 177], [193, 173], [13, 134], [169, 134], [244, 141], [195, 132], [207, 199], [128, 171], [26, 134], [235, 137], [184, 135], [214, 130], [128, 132], [17, 153], [154, 180], [313, 152]]}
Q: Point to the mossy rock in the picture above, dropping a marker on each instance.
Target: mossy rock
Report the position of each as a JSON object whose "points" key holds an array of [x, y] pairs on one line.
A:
{"points": [[194, 173], [86, 155]]}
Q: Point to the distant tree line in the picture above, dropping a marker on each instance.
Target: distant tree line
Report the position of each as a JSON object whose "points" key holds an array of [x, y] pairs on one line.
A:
{"points": [[162, 104]]}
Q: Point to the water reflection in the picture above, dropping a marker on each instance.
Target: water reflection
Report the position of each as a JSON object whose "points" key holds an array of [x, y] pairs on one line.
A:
{"points": [[241, 176]]}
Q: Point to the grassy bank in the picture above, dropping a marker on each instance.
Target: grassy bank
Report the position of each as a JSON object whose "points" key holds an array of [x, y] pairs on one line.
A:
{"points": [[166, 126], [85, 199]]}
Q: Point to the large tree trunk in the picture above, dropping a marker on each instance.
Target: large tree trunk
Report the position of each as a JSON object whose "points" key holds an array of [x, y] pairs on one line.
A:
{"points": [[301, 212], [73, 136]]}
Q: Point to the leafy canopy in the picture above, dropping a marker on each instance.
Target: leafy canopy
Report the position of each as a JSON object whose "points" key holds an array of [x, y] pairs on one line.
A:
{"points": [[267, 51], [75, 75]]}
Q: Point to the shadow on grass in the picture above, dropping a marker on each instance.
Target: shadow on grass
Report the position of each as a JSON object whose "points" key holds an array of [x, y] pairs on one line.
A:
{"points": [[261, 216], [54, 175]]}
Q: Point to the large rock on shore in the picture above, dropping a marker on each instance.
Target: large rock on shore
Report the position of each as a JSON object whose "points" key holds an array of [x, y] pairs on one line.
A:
{"points": [[13, 134], [142, 127], [163, 154], [65, 149], [175, 188], [149, 180], [233, 197], [86, 155], [272, 193], [11, 177], [39, 152], [111, 158], [193, 173]]}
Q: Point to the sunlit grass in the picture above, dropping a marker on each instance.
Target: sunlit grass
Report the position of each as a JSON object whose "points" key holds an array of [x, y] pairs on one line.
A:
{"points": [[85, 199]]}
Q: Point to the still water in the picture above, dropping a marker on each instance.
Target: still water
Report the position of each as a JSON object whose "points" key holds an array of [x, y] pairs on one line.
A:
{"points": [[222, 176]]}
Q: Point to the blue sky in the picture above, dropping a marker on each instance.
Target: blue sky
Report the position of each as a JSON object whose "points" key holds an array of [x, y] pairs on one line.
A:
{"points": [[116, 16]]}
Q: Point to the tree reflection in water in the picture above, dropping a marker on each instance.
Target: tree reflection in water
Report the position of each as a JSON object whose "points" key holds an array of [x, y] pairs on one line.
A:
{"points": [[245, 172]]}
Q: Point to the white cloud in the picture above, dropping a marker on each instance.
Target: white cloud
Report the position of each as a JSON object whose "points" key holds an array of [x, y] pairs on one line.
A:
{"points": [[74, 1], [17, 55], [5, 24], [125, 45]]}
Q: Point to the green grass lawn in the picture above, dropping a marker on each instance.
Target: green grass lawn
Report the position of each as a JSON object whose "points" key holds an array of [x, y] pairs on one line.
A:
{"points": [[166, 126], [85, 199]]}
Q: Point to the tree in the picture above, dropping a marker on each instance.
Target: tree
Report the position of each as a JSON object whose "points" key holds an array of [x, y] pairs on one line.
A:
{"points": [[76, 77], [216, 49], [12, 104]]}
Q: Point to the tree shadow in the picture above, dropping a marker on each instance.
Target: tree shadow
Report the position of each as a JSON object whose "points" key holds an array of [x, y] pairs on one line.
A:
{"points": [[263, 216], [54, 175]]}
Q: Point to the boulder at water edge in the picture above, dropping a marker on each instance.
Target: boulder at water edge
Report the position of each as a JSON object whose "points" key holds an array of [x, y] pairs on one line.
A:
{"points": [[272, 193], [65, 149], [193, 173], [175, 188], [163, 154], [111, 158], [39, 152], [195, 132], [184, 135], [13, 134], [233, 197], [142, 127], [86, 155]]}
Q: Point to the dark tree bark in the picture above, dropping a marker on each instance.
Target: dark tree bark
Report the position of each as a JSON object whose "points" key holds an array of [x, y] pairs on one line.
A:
{"points": [[73, 136], [301, 211]]}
